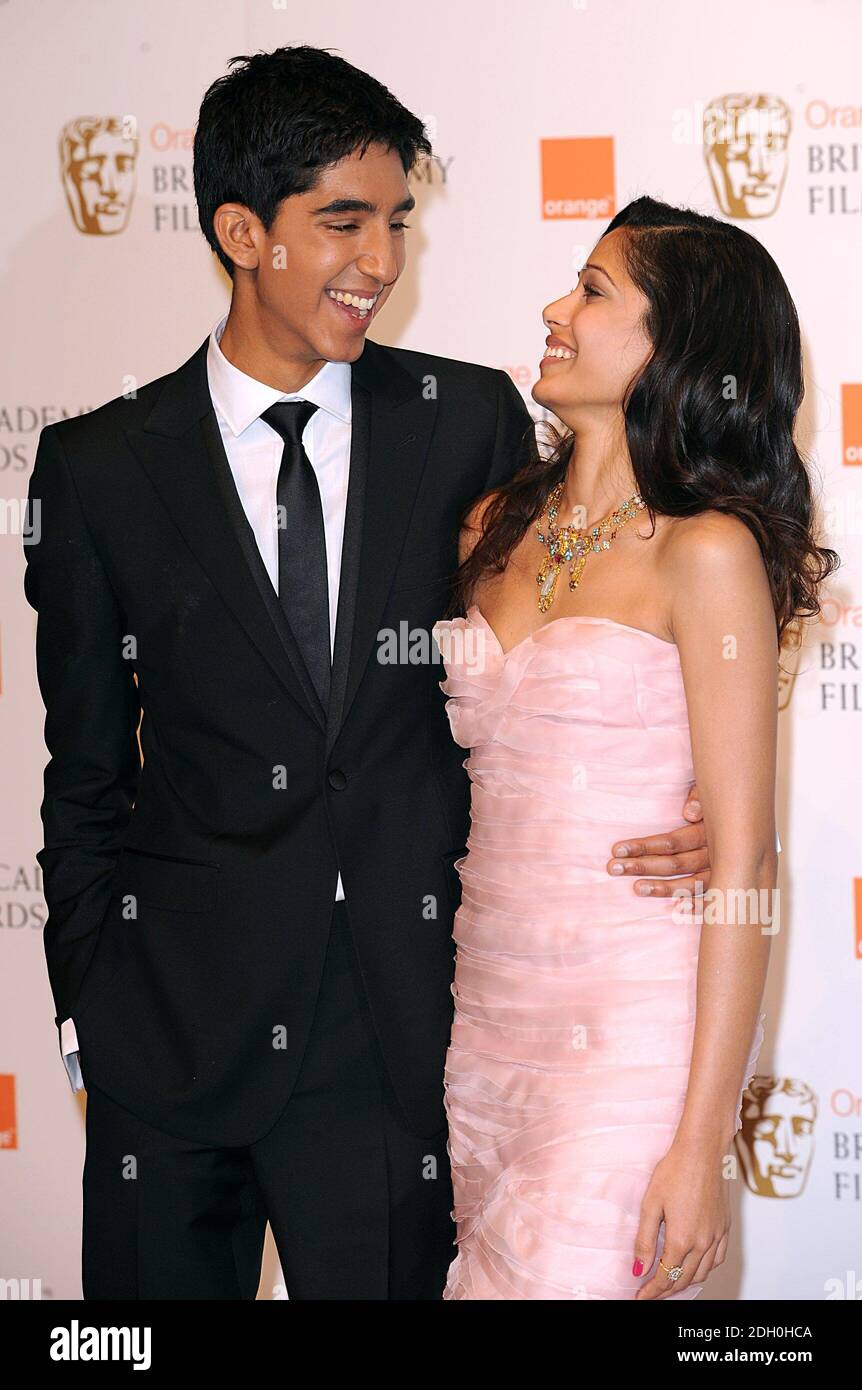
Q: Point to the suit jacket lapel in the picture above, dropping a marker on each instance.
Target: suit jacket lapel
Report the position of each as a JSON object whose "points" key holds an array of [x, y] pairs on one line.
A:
{"points": [[392, 422]]}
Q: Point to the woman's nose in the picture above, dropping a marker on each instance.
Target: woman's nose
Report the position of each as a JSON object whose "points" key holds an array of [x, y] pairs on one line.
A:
{"points": [[558, 313]]}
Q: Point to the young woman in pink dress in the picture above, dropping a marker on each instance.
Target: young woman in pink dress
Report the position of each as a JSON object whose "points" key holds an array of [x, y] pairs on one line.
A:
{"points": [[602, 1042]]}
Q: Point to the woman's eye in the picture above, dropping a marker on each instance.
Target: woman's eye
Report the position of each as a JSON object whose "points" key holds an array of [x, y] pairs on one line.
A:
{"points": [[587, 289]]}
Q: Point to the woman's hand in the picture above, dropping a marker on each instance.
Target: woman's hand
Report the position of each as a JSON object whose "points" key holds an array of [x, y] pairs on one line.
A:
{"points": [[687, 1192]]}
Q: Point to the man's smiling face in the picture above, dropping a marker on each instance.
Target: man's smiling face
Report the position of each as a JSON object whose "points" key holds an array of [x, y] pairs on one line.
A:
{"points": [[345, 237]]}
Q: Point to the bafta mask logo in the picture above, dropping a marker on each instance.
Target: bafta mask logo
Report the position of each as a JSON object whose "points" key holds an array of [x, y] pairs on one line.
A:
{"points": [[97, 164], [745, 141], [776, 1141]]}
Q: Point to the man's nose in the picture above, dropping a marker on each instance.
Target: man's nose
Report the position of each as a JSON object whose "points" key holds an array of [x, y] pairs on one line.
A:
{"points": [[378, 259]]}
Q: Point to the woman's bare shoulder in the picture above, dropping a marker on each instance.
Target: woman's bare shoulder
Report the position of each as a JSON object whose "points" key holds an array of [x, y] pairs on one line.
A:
{"points": [[708, 538]]}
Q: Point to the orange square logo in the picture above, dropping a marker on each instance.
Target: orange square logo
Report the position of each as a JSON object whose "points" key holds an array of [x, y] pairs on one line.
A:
{"points": [[851, 415], [8, 1126], [578, 177]]}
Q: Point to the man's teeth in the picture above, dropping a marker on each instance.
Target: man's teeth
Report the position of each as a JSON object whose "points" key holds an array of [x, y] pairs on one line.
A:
{"points": [[557, 352], [354, 301]]}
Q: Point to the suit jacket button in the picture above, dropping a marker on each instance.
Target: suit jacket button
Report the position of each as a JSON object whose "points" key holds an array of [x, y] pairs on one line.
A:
{"points": [[337, 779]]}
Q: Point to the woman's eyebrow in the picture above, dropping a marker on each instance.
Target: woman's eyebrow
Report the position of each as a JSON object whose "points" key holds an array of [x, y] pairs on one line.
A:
{"points": [[590, 266]]}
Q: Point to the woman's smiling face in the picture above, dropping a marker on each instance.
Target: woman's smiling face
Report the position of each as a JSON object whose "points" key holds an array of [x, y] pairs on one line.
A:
{"points": [[598, 331]]}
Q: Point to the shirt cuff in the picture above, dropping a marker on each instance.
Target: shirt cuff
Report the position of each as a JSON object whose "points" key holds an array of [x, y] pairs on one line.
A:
{"points": [[69, 1053]]}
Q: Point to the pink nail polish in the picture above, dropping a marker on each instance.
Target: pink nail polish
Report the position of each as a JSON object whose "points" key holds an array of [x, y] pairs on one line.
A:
{"points": [[638, 1268]]}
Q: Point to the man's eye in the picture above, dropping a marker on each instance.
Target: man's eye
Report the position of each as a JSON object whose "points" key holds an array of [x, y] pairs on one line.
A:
{"points": [[353, 226]]}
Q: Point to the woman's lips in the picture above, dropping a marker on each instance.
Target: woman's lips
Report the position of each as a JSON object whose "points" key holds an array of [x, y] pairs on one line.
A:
{"points": [[543, 361]]}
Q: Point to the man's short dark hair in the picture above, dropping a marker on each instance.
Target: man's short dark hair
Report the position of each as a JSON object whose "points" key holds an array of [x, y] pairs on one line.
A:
{"points": [[267, 129]]}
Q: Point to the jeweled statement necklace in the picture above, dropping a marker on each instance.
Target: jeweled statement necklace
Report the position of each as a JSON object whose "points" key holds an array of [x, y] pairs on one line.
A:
{"points": [[570, 545]]}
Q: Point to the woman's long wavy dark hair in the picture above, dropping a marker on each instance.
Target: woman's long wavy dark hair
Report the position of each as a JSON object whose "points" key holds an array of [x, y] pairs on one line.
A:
{"points": [[709, 419]]}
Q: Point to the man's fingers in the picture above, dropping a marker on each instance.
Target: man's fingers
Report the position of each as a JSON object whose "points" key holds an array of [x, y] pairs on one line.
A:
{"points": [[692, 887], [692, 809], [660, 865], [679, 841]]}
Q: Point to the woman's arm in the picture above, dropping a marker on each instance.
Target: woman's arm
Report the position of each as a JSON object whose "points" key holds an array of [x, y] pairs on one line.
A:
{"points": [[723, 622]]}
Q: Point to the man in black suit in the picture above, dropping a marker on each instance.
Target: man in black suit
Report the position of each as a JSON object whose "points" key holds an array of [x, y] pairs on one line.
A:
{"points": [[220, 557]]}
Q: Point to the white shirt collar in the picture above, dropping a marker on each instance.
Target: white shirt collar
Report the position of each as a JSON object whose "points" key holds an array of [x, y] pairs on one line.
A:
{"points": [[241, 399]]}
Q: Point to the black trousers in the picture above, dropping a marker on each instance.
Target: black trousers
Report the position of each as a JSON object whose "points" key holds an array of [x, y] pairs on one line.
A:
{"points": [[359, 1207]]}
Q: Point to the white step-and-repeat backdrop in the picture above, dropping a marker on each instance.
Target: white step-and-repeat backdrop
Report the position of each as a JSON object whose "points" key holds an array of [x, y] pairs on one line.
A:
{"points": [[546, 119]]}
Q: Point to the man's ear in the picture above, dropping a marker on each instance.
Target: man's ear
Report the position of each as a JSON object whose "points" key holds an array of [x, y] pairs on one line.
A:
{"points": [[237, 234]]}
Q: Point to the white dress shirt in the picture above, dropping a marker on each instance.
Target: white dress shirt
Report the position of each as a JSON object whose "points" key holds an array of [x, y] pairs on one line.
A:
{"points": [[254, 451]]}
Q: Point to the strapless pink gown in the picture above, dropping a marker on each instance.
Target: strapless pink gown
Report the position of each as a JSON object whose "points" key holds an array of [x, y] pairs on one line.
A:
{"points": [[574, 998]]}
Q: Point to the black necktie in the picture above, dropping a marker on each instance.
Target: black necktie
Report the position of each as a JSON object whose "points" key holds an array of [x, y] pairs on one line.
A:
{"points": [[302, 580]]}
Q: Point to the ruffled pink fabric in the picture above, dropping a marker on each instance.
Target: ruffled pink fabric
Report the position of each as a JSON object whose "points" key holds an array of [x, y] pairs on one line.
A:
{"points": [[574, 999]]}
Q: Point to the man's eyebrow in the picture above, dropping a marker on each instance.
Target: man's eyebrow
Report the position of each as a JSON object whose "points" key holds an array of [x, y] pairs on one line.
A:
{"points": [[340, 205], [590, 266]]}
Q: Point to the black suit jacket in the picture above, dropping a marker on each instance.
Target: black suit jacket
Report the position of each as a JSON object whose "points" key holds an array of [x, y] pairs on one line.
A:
{"points": [[189, 896]]}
